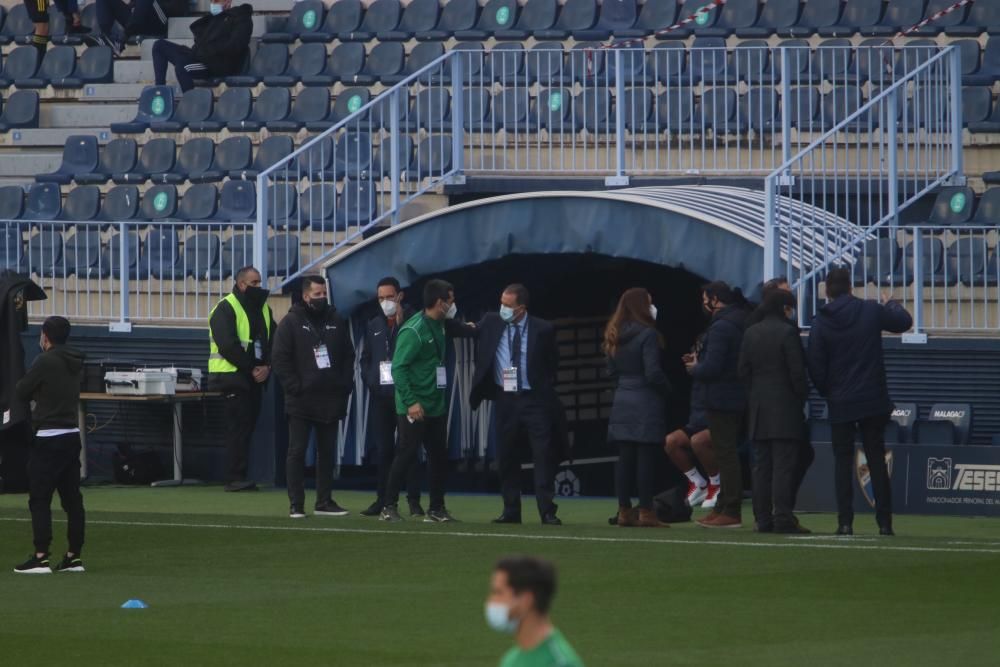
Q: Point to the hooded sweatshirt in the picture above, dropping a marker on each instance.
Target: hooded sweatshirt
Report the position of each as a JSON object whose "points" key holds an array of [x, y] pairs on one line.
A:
{"points": [[53, 383], [845, 355]]}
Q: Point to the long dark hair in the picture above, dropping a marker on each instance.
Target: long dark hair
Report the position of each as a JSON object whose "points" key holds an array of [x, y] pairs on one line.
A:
{"points": [[633, 306]]}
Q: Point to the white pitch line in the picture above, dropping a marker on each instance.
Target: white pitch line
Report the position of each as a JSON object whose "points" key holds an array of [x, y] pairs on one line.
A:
{"points": [[553, 538]]}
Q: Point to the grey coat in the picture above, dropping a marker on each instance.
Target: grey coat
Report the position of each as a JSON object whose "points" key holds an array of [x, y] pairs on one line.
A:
{"points": [[773, 369], [638, 411]]}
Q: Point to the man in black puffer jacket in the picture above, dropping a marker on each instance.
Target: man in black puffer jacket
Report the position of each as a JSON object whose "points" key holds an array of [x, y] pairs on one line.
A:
{"points": [[221, 45], [725, 396], [846, 364], [314, 359]]}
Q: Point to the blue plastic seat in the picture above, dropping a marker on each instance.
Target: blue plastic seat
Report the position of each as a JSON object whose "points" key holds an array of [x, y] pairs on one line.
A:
{"points": [[80, 156], [273, 105], [422, 55], [157, 157], [504, 64], [989, 72], [733, 16], [237, 202], [776, 17], [112, 257], [195, 106], [535, 16], [233, 106], [45, 254], [653, 18], [899, 15], [318, 208], [816, 16], [283, 254], [705, 17], [82, 256], [857, 15], [879, 261], [159, 203], [476, 102], [20, 65], [346, 65], [313, 162], [58, 65], [11, 246], [237, 252], [271, 151], [511, 112], [419, 17], [121, 204], [308, 63], [200, 202], [352, 156], [496, 15], [282, 201], [162, 252], [20, 111], [982, 17], [17, 26], [343, 15], [456, 16], [194, 160], [968, 255], [117, 157], [760, 110], [312, 105], [614, 17], [358, 203], [83, 204], [43, 203], [382, 159], [384, 61], [576, 15], [95, 65], [156, 103], [554, 110], [382, 16], [306, 17], [349, 101], [233, 156], [200, 258], [270, 60]]}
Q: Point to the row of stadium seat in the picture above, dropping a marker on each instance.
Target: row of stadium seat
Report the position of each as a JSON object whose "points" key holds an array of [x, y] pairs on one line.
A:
{"points": [[60, 68], [967, 260], [160, 255], [388, 20], [946, 424], [324, 207], [199, 160], [17, 26]]}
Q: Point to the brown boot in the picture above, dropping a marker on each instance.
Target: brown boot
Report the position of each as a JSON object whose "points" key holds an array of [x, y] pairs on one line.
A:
{"points": [[627, 517], [648, 519]]}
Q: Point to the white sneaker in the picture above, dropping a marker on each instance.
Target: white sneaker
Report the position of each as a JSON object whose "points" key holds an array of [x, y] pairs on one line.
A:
{"points": [[696, 494], [711, 496], [296, 512]]}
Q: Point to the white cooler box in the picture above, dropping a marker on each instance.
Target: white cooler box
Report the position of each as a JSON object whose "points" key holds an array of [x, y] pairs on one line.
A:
{"points": [[185, 379], [140, 383]]}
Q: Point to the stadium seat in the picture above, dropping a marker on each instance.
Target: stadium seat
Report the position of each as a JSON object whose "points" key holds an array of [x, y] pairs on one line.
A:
{"points": [[117, 157], [457, 15], [11, 246], [905, 414], [709, 61], [476, 103], [969, 256], [357, 205], [953, 206], [112, 260], [575, 16], [95, 65], [17, 26], [121, 204], [345, 65], [80, 156], [473, 61], [308, 62], [162, 251], [751, 62], [159, 203], [504, 65], [82, 256], [83, 204], [545, 64], [348, 101], [420, 16], [11, 203], [43, 203], [553, 111], [667, 63], [988, 209], [977, 107], [941, 433], [233, 155], [638, 107], [718, 111], [314, 162], [871, 59], [899, 15], [584, 64], [311, 105], [815, 16], [270, 60], [157, 157], [237, 250], [156, 103], [386, 59], [535, 16], [759, 109], [271, 151], [496, 15], [59, 64], [612, 17], [836, 105], [511, 109], [45, 254], [233, 106], [200, 258], [916, 53], [935, 269], [193, 160], [945, 22], [306, 17], [20, 65], [802, 107], [200, 202], [283, 251], [422, 55], [982, 17], [381, 16], [237, 201], [352, 156], [343, 15], [318, 207], [653, 18], [282, 199], [382, 159], [732, 16], [856, 15], [672, 110], [833, 59], [194, 107], [776, 17], [20, 111], [879, 261], [273, 105], [633, 66], [989, 72], [381, 112]]}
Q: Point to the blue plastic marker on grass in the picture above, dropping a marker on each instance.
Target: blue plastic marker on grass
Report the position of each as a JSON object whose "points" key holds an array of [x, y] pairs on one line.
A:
{"points": [[135, 604]]}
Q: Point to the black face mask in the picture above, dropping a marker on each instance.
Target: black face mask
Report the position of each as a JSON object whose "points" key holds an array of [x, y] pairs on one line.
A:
{"points": [[256, 295], [318, 306]]}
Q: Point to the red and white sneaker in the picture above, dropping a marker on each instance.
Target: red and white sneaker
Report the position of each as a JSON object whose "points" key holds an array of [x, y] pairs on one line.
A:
{"points": [[711, 496], [696, 494]]}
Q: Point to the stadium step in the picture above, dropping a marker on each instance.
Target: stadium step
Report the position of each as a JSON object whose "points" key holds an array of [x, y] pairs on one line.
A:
{"points": [[22, 165], [60, 115], [51, 137]]}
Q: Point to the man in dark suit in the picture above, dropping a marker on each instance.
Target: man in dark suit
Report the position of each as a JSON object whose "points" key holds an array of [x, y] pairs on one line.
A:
{"points": [[376, 369], [516, 363]]}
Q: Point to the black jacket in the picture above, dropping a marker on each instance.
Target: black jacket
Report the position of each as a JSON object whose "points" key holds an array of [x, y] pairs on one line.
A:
{"points": [[773, 369], [718, 365], [223, 42], [223, 326], [380, 344], [638, 410], [15, 293], [53, 383], [845, 355], [543, 358], [311, 392]]}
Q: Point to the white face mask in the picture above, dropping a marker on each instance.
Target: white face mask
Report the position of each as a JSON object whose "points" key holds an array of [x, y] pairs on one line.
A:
{"points": [[452, 311], [507, 314], [215, 8], [652, 311], [498, 618], [389, 308]]}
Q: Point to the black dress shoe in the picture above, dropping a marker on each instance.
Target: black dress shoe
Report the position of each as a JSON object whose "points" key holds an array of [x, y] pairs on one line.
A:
{"points": [[763, 527], [508, 518], [233, 487], [886, 530], [844, 530], [551, 519]]}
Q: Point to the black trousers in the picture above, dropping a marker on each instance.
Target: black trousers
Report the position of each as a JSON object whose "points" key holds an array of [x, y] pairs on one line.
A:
{"points": [[530, 414], [382, 413], [295, 460], [873, 442], [186, 67], [54, 466], [774, 482], [432, 433], [145, 17], [241, 411], [803, 461], [636, 462], [727, 428]]}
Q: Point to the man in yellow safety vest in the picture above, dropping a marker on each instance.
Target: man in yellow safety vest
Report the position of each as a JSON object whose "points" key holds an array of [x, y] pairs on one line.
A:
{"points": [[240, 331]]}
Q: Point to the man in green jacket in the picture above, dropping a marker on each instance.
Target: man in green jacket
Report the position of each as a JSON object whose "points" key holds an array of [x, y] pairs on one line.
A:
{"points": [[418, 372]]}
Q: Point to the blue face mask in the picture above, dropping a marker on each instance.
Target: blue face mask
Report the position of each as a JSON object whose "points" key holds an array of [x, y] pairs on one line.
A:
{"points": [[215, 8], [507, 314], [498, 618]]}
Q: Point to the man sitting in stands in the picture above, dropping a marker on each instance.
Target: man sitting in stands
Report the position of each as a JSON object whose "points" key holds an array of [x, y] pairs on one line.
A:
{"points": [[221, 44]]}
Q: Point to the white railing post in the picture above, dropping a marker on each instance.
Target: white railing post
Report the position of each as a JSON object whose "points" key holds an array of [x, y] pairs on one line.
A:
{"points": [[619, 178], [124, 259], [955, 87], [786, 112], [893, 153], [260, 231], [458, 127], [918, 281], [394, 158], [772, 238]]}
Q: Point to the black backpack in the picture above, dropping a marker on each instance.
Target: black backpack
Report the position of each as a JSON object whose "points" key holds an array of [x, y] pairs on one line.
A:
{"points": [[671, 506]]}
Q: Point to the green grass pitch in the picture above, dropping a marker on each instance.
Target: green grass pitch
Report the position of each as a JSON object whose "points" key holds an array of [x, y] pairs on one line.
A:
{"points": [[230, 580]]}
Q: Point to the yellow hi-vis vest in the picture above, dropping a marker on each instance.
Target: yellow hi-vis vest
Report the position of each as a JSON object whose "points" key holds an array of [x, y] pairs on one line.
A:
{"points": [[216, 362]]}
